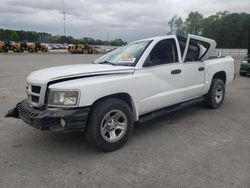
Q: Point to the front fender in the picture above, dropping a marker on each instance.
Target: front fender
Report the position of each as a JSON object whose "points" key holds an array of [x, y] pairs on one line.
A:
{"points": [[95, 88]]}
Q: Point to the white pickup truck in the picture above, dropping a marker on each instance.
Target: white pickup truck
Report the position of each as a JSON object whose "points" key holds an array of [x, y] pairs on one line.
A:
{"points": [[137, 82]]}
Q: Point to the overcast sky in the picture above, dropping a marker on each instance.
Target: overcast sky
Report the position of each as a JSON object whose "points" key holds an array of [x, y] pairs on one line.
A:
{"points": [[126, 19]]}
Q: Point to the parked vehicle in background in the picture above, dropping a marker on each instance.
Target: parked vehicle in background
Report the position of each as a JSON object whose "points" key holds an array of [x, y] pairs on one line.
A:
{"points": [[82, 49], [69, 47], [42, 47], [23, 46], [245, 66], [31, 47], [134, 83], [5, 46], [93, 50], [78, 49], [36, 46], [54, 47], [65, 46], [16, 47]]}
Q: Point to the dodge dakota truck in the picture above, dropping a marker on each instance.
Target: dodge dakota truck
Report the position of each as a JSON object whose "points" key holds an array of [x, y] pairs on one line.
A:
{"points": [[134, 83]]}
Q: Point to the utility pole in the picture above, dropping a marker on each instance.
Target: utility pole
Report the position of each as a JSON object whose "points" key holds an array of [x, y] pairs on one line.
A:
{"points": [[64, 20]]}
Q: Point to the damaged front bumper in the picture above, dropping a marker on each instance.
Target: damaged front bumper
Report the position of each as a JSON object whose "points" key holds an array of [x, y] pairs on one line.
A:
{"points": [[55, 119]]}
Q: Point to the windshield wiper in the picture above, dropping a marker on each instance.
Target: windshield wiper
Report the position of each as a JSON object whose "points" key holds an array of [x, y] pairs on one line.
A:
{"points": [[106, 62]]}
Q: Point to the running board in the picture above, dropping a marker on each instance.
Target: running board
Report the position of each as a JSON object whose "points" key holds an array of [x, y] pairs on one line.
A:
{"points": [[167, 110]]}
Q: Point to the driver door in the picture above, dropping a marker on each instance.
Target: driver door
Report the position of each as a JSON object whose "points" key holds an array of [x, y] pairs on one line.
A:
{"points": [[160, 78]]}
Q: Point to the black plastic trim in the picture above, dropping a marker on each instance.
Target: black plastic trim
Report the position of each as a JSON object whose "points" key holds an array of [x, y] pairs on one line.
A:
{"points": [[167, 110], [49, 119]]}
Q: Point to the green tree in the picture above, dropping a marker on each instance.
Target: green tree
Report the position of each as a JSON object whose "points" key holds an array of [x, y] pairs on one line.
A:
{"points": [[193, 23], [179, 26], [230, 30], [171, 24]]}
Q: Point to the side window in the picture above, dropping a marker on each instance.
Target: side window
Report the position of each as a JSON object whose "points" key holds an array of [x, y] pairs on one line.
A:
{"points": [[164, 52], [193, 52], [196, 50]]}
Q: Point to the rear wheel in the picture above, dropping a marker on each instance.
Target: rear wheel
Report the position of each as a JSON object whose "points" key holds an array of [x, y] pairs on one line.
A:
{"points": [[216, 94], [110, 124]]}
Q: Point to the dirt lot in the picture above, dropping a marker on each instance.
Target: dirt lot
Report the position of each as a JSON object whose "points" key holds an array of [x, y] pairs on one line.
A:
{"points": [[194, 147]]}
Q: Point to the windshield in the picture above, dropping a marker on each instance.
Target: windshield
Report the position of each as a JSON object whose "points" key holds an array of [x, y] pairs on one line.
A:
{"points": [[124, 56]]}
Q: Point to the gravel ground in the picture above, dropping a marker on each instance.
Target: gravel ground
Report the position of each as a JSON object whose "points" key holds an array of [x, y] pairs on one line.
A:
{"points": [[194, 147]]}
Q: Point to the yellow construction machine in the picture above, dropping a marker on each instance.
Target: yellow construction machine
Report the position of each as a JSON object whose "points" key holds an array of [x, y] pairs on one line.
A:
{"points": [[31, 47], [41, 47], [35, 47], [4, 46], [78, 49], [16, 47], [82, 49]]}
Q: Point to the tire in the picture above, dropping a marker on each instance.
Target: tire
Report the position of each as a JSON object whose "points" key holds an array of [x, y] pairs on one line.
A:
{"points": [[216, 94], [103, 130]]}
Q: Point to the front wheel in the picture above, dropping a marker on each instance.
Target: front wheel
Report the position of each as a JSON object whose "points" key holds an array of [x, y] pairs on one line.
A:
{"points": [[110, 124], [216, 94]]}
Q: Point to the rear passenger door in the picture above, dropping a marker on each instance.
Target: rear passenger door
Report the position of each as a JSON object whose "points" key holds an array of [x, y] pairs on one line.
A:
{"points": [[194, 50]]}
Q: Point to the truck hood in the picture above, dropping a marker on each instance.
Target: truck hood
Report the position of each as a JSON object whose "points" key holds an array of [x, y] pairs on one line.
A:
{"points": [[46, 75]]}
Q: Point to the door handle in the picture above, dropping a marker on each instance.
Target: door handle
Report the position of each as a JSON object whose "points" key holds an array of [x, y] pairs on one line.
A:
{"points": [[177, 71], [201, 69]]}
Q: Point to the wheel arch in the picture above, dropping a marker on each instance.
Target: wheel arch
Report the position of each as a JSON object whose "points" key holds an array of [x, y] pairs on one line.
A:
{"points": [[124, 97], [221, 75]]}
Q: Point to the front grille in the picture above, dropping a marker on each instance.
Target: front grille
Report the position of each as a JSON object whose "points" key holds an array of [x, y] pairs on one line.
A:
{"points": [[36, 94], [35, 89]]}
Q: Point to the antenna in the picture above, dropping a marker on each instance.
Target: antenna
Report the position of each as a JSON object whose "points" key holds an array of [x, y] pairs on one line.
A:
{"points": [[64, 19]]}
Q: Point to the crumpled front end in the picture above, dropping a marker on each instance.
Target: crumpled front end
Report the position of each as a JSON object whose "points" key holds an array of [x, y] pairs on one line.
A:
{"points": [[54, 119]]}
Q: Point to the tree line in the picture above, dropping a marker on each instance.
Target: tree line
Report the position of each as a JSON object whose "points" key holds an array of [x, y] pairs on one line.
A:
{"points": [[31, 36], [229, 30]]}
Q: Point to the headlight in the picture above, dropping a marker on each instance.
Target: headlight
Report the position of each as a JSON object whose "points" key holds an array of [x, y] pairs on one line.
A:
{"points": [[243, 61], [63, 98]]}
